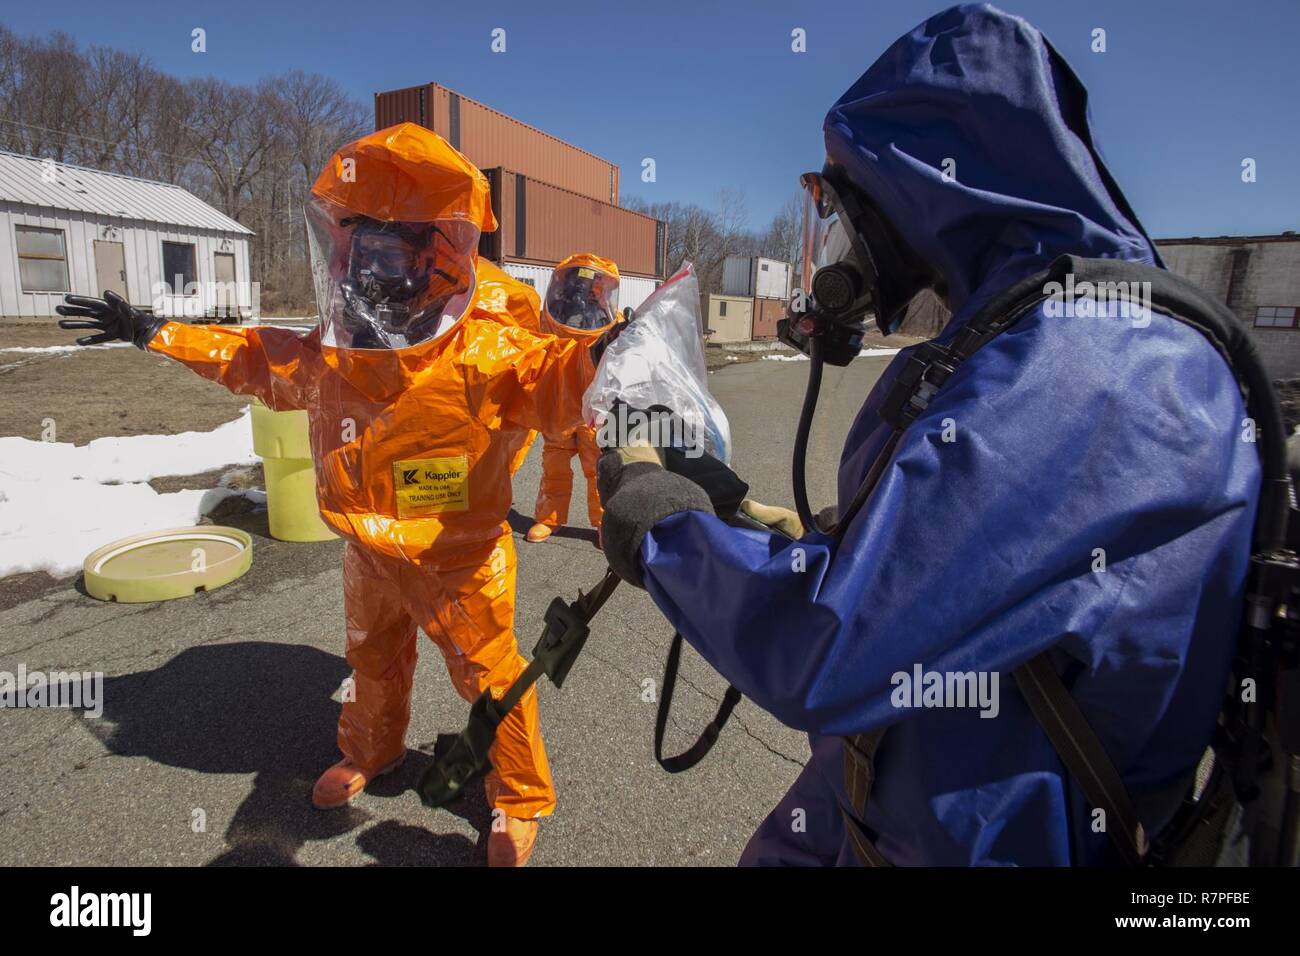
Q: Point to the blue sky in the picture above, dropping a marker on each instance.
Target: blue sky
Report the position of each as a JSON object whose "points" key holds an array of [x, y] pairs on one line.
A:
{"points": [[712, 91]]}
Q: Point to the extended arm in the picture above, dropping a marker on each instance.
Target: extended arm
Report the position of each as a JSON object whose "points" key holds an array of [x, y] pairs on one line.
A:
{"points": [[975, 554], [271, 364]]}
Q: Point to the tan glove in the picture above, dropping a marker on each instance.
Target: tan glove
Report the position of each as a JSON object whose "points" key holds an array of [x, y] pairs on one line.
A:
{"points": [[634, 453], [781, 520]]}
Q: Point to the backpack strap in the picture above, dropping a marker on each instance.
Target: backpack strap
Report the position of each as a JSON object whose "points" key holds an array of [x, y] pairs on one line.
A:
{"points": [[1083, 754]]}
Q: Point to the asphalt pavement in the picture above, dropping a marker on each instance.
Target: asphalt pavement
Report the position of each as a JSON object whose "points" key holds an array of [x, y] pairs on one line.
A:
{"points": [[218, 710]]}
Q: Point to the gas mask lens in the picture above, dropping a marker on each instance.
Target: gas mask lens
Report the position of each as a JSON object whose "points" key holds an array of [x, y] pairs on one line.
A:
{"points": [[835, 280], [581, 297], [383, 284], [388, 265]]}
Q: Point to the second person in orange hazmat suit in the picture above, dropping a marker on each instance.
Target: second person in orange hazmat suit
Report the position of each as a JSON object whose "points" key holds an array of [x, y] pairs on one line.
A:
{"points": [[420, 387], [581, 305]]}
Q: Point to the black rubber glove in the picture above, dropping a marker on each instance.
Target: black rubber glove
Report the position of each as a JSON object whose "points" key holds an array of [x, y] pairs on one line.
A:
{"points": [[613, 332], [637, 494], [112, 317], [639, 486]]}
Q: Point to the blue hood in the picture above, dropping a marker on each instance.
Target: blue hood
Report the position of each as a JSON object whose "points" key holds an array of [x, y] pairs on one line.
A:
{"points": [[986, 90]]}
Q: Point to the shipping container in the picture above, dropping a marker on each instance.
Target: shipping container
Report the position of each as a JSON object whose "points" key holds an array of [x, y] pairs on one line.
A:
{"points": [[541, 224], [757, 277], [539, 277], [632, 290], [737, 276], [490, 138], [772, 278], [767, 312], [727, 318]]}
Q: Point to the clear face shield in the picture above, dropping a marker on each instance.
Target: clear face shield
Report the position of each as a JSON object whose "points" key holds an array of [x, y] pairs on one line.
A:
{"points": [[388, 285], [582, 298]]}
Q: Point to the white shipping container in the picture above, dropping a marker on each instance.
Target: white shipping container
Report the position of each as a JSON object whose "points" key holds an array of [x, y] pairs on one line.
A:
{"points": [[771, 279], [633, 290], [755, 276], [738, 276], [539, 277]]}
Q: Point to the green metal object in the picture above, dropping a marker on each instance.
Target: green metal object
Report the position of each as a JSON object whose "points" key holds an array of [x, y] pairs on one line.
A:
{"points": [[563, 638]]}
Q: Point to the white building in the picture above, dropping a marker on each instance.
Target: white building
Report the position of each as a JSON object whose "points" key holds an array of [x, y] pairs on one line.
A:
{"points": [[1258, 278], [70, 229]]}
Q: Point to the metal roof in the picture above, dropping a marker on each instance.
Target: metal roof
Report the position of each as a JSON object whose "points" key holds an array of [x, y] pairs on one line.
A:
{"points": [[93, 191], [1288, 236]]}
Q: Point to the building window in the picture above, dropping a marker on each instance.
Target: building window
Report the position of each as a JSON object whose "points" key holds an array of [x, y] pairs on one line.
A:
{"points": [[179, 270], [42, 259], [722, 310], [1275, 317]]}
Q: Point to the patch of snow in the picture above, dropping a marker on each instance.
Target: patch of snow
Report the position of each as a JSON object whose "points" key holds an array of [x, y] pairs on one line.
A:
{"points": [[865, 353], [52, 524], [59, 502], [296, 323], [33, 349], [133, 458]]}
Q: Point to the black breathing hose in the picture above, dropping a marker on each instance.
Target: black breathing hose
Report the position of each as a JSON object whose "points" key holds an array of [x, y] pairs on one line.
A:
{"points": [[799, 462]]}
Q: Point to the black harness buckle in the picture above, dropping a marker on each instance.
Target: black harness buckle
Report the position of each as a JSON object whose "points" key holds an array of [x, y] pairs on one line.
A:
{"points": [[923, 374]]}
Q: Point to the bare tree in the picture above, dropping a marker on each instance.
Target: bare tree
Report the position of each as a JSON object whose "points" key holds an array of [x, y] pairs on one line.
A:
{"points": [[707, 237], [316, 115], [251, 151], [784, 237]]}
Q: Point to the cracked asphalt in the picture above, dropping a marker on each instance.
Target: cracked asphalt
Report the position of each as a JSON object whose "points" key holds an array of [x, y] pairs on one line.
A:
{"points": [[218, 711]]}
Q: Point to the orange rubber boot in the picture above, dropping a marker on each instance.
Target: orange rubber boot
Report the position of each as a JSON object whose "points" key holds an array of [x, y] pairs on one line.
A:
{"points": [[510, 840], [343, 781], [513, 844], [538, 533]]}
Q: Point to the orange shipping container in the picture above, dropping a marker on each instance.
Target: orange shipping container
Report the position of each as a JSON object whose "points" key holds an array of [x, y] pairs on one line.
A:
{"points": [[490, 138], [767, 312], [542, 224]]}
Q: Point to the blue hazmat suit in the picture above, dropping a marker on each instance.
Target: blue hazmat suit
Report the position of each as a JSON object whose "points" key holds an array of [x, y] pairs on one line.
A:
{"points": [[1095, 495]]}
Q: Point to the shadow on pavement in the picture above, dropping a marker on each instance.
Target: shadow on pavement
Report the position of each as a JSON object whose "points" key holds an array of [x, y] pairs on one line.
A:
{"points": [[520, 525], [266, 709]]}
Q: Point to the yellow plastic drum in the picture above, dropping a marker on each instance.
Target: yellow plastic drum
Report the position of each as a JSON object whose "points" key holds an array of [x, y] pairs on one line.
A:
{"points": [[161, 565], [281, 439]]}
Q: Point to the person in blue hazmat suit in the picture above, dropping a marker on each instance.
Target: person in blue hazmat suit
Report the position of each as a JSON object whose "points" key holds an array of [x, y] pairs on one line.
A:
{"points": [[1080, 484]]}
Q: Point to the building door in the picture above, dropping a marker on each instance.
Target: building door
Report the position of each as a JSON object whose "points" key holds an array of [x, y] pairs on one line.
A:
{"points": [[227, 298], [110, 268]]}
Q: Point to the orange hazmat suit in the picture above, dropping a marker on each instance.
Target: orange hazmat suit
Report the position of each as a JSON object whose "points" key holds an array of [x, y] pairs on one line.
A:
{"points": [[414, 440], [596, 280]]}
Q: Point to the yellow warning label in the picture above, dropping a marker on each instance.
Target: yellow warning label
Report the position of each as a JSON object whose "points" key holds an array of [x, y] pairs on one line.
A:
{"points": [[585, 273], [429, 486]]}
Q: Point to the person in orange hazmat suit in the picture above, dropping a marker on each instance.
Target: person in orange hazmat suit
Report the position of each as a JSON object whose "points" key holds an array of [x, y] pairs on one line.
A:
{"points": [[418, 385], [582, 305]]}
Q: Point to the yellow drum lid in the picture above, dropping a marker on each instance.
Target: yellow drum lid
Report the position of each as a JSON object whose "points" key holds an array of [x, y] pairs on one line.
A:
{"points": [[161, 565]]}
